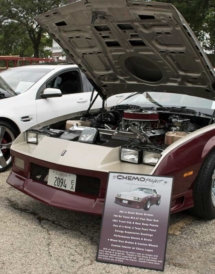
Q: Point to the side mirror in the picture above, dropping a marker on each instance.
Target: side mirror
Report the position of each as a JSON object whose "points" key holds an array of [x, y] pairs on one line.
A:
{"points": [[51, 92]]}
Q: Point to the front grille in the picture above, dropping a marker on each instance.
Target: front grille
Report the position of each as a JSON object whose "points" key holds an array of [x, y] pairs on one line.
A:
{"points": [[84, 184], [120, 200]]}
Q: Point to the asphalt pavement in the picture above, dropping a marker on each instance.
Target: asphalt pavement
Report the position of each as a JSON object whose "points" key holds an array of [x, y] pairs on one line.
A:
{"points": [[36, 238]]}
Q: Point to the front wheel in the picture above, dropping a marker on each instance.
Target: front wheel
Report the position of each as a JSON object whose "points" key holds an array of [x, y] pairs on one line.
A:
{"points": [[7, 136], [147, 205], [204, 190], [158, 202]]}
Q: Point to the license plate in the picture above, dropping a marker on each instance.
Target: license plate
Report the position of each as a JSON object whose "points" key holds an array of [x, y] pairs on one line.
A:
{"points": [[62, 180], [124, 201]]}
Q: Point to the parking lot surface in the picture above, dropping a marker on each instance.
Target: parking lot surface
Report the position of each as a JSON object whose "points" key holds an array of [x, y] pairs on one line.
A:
{"points": [[36, 238]]}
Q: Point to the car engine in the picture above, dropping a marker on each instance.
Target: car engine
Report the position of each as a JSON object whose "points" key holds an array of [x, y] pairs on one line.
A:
{"points": [[128, 124]]}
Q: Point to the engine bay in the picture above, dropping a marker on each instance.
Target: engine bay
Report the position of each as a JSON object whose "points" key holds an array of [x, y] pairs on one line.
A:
{"points": [[131, 126]]}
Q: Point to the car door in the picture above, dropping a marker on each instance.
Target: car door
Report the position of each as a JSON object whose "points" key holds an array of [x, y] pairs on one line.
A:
{"points": [[73, 98]]}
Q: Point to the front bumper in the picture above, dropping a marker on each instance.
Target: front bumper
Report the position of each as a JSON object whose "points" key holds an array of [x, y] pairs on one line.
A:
{"points": [[128, 203], [85, 200], [55, 197], [90, 202]]}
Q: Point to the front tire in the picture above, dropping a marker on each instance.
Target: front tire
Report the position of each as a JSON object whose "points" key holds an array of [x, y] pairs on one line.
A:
{"points": [[147, 205], [204, 190], [7, 136], [158, 202]]}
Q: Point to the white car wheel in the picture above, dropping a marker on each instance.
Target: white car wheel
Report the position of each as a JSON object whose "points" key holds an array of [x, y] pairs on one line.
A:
{"points": [[7, 136], [147, 205], [158, 202]]}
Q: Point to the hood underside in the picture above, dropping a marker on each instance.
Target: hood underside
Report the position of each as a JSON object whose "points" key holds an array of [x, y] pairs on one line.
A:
{"points": [[132, 46]]}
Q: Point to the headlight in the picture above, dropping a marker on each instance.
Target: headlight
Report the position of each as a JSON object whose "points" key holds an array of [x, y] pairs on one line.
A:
{"points": [[88, 135], [131, 155], [137, 199], [32, 137], [151, 158], [119, 195]]}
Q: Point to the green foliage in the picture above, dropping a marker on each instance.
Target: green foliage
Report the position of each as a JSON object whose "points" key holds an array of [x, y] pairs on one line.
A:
{"points": [[200, 14], [21, 35], [20, 31], [14, 40]]}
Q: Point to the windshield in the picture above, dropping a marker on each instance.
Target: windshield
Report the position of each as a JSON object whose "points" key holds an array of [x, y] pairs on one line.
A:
{"points": [[145, 190], [159, 99], [4, 87], [21, 79]]}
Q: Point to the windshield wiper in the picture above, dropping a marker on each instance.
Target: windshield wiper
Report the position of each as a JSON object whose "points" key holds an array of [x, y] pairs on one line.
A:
{"points": [[148, 97], [178, 110]]}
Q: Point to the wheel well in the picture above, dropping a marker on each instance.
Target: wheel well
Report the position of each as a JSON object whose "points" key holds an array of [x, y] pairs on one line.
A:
{"points": [[11, 123]]}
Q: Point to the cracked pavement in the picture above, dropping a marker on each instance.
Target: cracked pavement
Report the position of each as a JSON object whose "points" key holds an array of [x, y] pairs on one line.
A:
{"points": [[36, 238]]}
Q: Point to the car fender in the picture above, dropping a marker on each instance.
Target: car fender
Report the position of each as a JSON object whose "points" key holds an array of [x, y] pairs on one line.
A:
{"points": [[145, 199], [9, 114], [11, 122], [183, 159], [210, 144]]}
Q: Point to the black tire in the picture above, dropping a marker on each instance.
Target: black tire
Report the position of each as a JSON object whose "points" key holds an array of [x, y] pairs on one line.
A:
{"points": [[147, 205], [158, 202], [7, 135], [202, 192]]}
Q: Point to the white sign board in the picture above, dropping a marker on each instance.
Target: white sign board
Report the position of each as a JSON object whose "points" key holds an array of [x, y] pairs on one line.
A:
{"points": [[135, 220]]}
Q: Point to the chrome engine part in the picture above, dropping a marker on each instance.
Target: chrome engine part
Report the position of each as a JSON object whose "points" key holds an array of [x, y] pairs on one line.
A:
{"points": [[139, 121], [144, 126], [181, 124]]}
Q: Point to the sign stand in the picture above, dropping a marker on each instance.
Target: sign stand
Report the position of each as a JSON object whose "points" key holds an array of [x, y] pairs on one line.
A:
{"points": [[135, 220]]}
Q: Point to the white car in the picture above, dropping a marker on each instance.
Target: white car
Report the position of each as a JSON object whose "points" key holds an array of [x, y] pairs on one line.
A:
{"points": [[44, 92]]}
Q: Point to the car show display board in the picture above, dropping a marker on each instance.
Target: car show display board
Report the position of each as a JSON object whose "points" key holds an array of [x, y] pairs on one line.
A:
{"points": [[135, 220]]}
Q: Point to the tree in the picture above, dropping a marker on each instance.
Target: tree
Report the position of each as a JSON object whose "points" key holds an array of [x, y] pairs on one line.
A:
{"points": [[14, 40], [200, 14], [21, 13]]}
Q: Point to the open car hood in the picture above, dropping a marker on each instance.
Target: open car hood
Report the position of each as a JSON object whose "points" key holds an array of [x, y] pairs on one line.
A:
{"points": [[132, 46]]}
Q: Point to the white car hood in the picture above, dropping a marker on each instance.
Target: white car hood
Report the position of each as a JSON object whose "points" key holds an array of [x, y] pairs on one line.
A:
{"points": [[131, 195], [132, 46]]}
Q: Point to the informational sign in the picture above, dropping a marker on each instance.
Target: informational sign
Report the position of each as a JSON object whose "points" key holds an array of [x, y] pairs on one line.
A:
{"points": [[135, 220], [56, 48]]}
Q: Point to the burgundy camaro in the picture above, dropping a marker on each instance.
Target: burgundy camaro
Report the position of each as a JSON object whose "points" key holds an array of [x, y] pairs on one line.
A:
{"points": [[165, 128], [140, 197]]}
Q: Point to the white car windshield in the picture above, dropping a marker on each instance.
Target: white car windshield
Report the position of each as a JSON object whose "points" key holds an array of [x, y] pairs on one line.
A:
{"points": [[162, 99], [22, 78], [145, 190]]}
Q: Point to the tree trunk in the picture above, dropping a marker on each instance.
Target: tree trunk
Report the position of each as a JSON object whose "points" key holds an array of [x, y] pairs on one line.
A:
{"points": [[36, 50]]}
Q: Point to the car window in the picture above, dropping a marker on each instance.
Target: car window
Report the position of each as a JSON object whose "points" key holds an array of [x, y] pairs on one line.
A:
{"points": [[146, 190], [21, 79], [86, 84], [68, 82]]}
